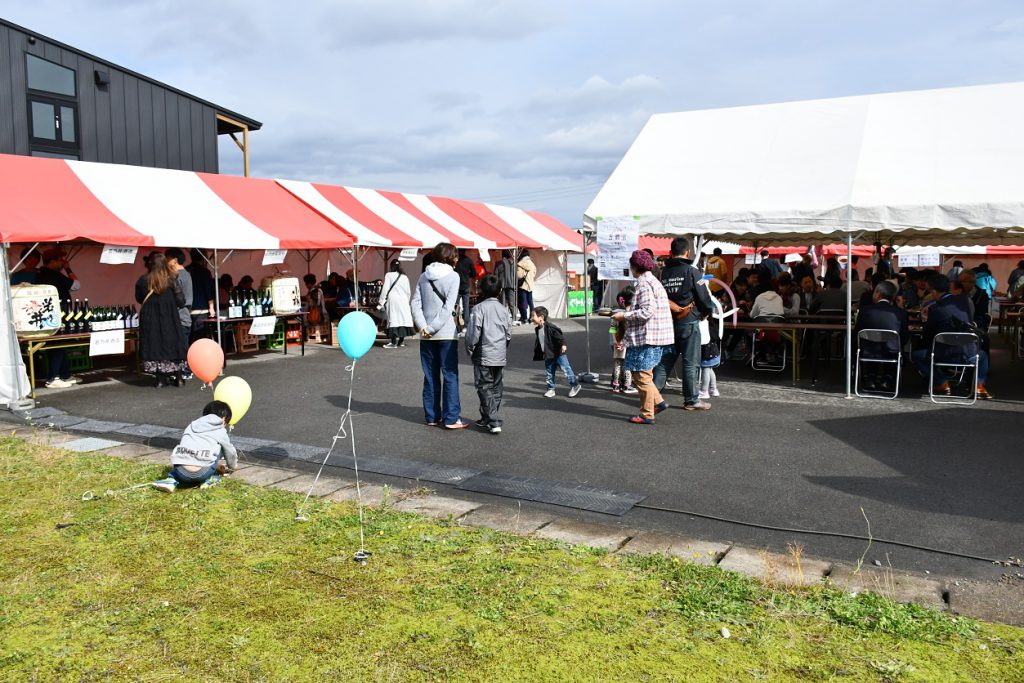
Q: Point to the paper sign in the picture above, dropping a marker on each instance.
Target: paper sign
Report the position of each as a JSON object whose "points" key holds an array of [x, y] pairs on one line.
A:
{"points": [[617, 239], [263, 326], [118, 255], [272, 256], [485, 255], [794, 257], [929, 258], [751, 259], [408, 254], [908, 260], [106, 343]]}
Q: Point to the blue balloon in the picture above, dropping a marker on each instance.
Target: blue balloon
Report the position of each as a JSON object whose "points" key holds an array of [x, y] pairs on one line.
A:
{"points": [[356, 333]]}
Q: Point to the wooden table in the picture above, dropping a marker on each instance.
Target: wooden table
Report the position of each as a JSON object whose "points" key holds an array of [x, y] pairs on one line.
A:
{"points": [[791, 331], [67, 341]]}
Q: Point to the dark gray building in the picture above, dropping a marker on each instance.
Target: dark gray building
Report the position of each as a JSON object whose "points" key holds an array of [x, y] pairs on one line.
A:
{"points": [[58, 101]]}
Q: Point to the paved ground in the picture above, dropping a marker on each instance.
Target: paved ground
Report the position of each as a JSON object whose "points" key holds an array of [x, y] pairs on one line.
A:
{"points": [[768, 454]]}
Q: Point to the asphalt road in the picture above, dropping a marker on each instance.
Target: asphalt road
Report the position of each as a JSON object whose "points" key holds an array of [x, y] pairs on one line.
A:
{"points": [[767, 453]]}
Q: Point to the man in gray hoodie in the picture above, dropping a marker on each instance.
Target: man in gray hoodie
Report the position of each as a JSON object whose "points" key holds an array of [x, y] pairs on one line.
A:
{"points": [[488, 334], [196, 460]]}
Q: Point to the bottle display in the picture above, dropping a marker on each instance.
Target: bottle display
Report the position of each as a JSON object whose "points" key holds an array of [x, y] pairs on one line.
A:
{"points": [[80, 317]]}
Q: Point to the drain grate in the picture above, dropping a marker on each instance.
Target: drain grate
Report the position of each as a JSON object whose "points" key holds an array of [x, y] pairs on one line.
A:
{"points": [[553, 492]]}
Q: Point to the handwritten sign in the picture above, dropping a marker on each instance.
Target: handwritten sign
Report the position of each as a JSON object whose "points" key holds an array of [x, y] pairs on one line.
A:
{"points": [[36, 310], [263, 325], [272, 256], [929, 258], [118, 255], [106, 343], [408, 254], [908, 260], [617, 239]]}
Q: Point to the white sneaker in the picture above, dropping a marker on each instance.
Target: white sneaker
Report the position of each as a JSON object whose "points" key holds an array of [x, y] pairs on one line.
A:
{"points": [[73, 380], [631, 390], [714, 392], [575, 389], [550, 393], [389, 345], [58, 384], [495, 430], [703, 395]]}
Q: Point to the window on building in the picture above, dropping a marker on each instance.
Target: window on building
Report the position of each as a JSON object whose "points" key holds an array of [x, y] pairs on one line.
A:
{"points": [[54, 122], [45, 76]]}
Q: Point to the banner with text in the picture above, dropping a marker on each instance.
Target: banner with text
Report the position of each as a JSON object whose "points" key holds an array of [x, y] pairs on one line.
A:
{"points": [[617, 239]]}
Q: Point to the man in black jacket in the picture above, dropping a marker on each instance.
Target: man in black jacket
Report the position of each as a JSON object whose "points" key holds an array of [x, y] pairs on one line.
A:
{"points": [[881, 314], [55, 260], [946, 316], [505, 271], [693, 302], [467, 273]]}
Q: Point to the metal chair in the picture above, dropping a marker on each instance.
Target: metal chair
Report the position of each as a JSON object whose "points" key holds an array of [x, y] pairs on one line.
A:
{"points": [[879, 337], [768, 367], [966, 342]]}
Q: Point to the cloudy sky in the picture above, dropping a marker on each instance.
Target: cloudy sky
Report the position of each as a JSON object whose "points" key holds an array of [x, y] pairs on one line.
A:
{"points": [[529, 103]]}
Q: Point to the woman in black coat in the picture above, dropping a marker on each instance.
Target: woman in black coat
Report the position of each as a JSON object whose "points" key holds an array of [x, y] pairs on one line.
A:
{"points": [[160, 330]]}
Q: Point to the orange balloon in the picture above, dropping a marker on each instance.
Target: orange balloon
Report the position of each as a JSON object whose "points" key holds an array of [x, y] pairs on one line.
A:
{"points": [[206, 359]]}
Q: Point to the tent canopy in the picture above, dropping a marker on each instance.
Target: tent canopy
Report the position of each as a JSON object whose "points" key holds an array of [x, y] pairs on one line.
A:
{"points": [[56, 200], [924, 167]]}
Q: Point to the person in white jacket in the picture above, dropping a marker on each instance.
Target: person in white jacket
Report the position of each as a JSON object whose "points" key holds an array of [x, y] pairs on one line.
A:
{"points": [[768, 304], [395, 304]]}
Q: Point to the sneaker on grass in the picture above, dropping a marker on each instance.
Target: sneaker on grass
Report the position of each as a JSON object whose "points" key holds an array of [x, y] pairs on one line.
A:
{"points": [[168, 485], [212, 481]]}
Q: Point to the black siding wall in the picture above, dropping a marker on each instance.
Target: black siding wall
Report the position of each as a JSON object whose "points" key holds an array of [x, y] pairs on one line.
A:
{"points": [[129, 121]]}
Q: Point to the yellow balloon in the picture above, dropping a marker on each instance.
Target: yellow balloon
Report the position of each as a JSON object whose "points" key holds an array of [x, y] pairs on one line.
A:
{"points": [[236, 393]]}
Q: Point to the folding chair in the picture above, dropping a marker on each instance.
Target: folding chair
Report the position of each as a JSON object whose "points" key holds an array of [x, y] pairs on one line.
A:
{"points": [[769, 366], [965, 342], [880, 338]]}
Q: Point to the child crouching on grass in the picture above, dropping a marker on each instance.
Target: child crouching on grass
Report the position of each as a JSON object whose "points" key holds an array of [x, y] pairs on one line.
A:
{"points": [[196, 460], [488, 334], [551, 349]]}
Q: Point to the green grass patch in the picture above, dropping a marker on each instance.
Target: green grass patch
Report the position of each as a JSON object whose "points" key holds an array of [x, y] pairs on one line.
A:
{"points": [[224, 585]]}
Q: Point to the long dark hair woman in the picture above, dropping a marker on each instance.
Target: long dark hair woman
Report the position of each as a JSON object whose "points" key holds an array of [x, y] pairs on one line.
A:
{"points": [[160, 331]]}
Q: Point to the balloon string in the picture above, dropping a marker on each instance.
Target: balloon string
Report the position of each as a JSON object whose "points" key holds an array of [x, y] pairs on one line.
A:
{"points": [[341, 435]]}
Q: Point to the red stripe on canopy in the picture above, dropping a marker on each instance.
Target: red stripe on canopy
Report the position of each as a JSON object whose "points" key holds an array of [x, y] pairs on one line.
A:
{"points": [[471, 221], [343, 199], [44, 201], [490, 218], [400, 200], [557, 227], [274, 210]]}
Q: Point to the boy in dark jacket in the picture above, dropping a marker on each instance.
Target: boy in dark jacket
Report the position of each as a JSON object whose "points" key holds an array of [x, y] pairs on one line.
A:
{"points": [[488, 333], [551, 349]]}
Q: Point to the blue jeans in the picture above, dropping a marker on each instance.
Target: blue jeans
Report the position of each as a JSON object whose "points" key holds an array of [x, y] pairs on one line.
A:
{"points": [[525, 305], [187, 479], [440, 360], [560, 362], [922, 360], [688, 346]]}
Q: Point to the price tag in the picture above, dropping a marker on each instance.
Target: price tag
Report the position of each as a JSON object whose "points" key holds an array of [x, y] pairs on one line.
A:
{"points": [[272, 256], [408, 254], [263, 326], [106, 343], [118, 255]]}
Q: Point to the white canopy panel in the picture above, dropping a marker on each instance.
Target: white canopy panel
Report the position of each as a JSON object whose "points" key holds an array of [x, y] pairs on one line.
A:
{"points": [[923, 167]]}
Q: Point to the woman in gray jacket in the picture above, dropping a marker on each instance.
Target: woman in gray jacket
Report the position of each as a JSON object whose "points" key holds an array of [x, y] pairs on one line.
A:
{"points": [[433, 307]]}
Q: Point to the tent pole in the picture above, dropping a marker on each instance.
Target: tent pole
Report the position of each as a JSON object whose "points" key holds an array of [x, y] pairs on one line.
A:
{"points": [[15, 369], [355, 274], [849, 312], [216, 286], [587, 298]]}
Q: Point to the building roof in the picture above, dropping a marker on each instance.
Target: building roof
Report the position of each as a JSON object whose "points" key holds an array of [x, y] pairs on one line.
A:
{"points": [[251, 123]]}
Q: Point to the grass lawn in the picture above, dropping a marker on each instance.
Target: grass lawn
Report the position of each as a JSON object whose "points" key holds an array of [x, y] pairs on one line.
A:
{"points": [[223, 585]]}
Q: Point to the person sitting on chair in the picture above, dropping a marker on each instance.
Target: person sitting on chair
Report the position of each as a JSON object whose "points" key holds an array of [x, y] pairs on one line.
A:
{"points": [[882, 314]]}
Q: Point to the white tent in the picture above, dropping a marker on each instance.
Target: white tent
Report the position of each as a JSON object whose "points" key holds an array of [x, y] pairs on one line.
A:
{"points": [[930, 167], [924, 167]]}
